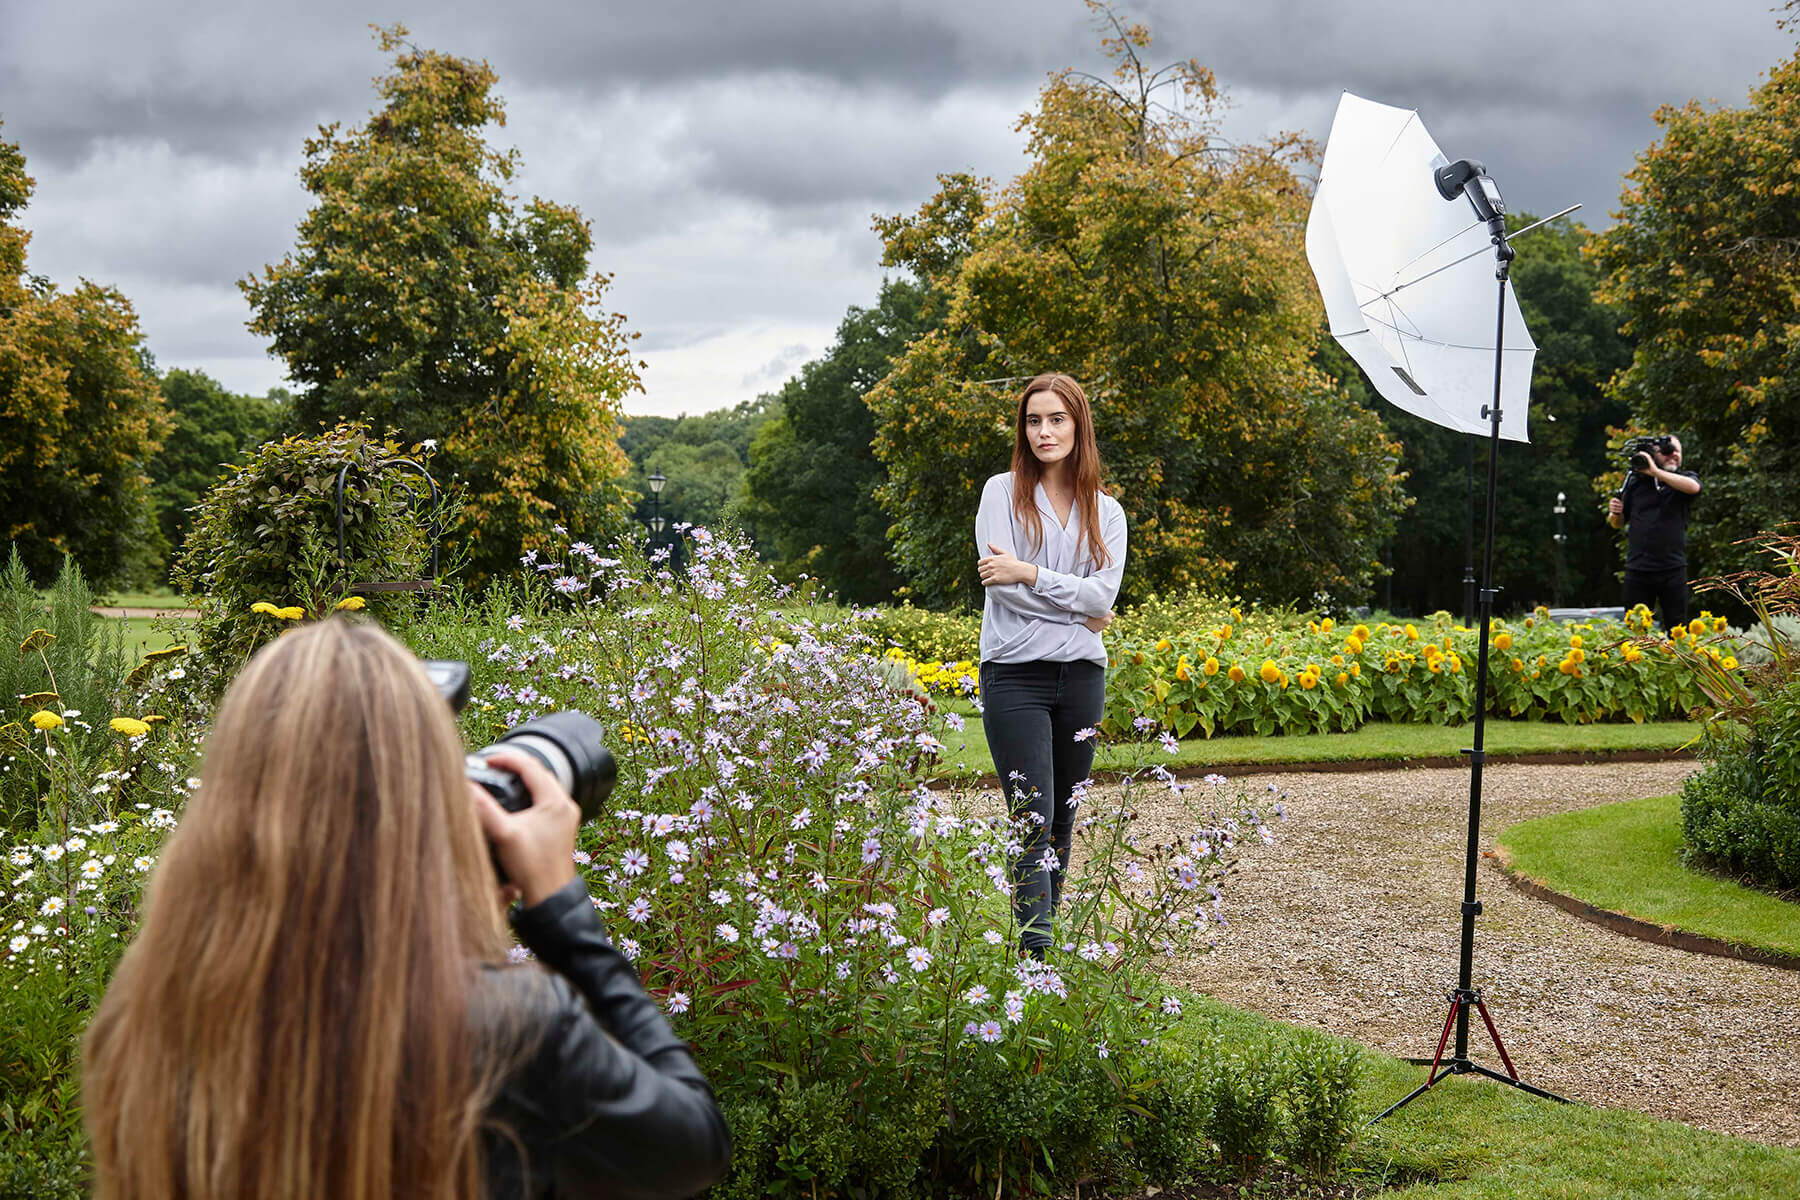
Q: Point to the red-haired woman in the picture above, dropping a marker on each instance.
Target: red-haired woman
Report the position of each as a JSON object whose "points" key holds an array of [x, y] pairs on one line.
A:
{"points": [[1052, 552]]}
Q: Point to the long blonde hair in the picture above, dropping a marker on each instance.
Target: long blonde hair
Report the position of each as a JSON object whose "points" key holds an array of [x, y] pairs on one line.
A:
{"points": [[1084, 465], [293, 1017]]}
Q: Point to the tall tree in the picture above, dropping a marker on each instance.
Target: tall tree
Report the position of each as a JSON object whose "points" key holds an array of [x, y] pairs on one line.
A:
{"points": [[1704, 266], [1579, 349], [79, 416], [813, 472], [1162, 266], [211, 429], [421, 297]]}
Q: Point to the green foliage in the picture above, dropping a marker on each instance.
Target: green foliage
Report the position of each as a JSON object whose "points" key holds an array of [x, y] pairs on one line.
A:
{"points": [[212, 428], [1162, 267], [924, 634], [1320, 1092], [1165, 1127], [1741, 814], [79, 415], [1703, 265], [84, 805], [421, 297], [814, 475], [268, 535], [1246, 1081], [83, 664]]}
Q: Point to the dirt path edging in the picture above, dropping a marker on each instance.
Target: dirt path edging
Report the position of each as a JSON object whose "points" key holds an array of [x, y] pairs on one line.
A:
{"points": [[1551, 758], [1637, 927]]}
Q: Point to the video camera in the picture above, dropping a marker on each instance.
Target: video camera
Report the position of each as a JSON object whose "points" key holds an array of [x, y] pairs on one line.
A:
{"points": [[571, 744], [1637, 450]]}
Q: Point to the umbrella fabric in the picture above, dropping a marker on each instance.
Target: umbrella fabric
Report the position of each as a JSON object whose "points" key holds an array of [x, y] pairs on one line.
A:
{"points": [[1382, 241]]}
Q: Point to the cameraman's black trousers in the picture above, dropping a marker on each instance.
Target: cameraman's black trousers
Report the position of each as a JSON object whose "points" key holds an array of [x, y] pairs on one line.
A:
{"points": [[1667, 588], [1031, 712]]}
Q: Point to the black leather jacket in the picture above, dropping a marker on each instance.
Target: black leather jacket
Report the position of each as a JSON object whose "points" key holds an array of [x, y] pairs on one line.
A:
{"points": [[602, 1098]]}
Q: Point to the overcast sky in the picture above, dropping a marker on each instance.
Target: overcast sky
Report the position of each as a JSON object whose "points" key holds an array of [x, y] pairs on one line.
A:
{"points": [[730, 153]]}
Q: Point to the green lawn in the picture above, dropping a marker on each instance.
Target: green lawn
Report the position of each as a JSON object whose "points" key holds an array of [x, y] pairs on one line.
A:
{"points": [[1376, 741], [1626, 858], [1475, 1140]]}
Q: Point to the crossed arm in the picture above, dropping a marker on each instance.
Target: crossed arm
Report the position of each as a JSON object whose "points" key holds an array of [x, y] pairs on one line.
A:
{"points": [[1035, 591]]}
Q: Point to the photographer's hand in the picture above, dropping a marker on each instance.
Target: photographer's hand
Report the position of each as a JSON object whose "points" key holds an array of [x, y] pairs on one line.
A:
{"points": [[535, 847], [1098, 624]]}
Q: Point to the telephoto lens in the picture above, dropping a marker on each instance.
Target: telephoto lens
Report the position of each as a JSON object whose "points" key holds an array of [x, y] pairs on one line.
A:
{"points": [[570, 743]]}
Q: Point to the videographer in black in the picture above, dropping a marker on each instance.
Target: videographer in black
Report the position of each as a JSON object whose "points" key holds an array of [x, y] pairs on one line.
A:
{"points": [[1652, 507]]}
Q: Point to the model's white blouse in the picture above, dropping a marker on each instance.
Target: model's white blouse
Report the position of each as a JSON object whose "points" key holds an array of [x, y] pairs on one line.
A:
{"points": [[1043, 621]]}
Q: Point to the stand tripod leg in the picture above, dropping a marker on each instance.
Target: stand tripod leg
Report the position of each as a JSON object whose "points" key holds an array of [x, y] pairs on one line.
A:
{"points": [[1495, 1034], [1431, 1079], [1510, 1081]]}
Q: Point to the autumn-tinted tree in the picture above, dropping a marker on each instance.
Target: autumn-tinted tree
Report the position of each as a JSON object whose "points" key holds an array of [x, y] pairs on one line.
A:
{"points": [[1163, 268], [813, 471], [1579, 349], [212, 428], [421, 297], [1704, 266], [79, 416]]}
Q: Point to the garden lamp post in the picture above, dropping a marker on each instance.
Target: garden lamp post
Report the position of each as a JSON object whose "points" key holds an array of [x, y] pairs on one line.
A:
{"points": [[1561, 537], [657, 480]]}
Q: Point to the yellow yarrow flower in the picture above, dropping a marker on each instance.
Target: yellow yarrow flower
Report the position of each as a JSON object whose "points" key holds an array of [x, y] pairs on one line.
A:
{"points": [[352, 604], [292, 612], [129, 726], [46, 720], [265, 608]]}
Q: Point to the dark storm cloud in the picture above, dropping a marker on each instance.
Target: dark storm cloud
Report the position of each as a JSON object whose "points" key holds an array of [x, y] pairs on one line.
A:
{"points": [[729, 154]]}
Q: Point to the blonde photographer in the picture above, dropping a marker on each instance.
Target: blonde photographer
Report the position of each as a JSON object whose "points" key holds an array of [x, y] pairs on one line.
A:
{"points": [[318, 1001]]}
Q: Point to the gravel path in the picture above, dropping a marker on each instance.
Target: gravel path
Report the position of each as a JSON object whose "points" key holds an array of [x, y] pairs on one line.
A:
{"points": [[1350, 922]]}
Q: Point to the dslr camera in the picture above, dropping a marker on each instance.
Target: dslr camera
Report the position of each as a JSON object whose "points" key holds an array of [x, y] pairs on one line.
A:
{"points": [[1637, 450], [571, 744]]}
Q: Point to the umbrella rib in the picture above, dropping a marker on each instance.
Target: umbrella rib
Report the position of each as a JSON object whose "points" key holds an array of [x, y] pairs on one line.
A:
{"points": [[1419, 337], [1415, 258]]}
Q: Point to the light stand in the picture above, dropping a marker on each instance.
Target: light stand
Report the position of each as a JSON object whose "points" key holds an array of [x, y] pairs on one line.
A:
{"points": [[657, 480], [1469, 178], [1561, 537]]}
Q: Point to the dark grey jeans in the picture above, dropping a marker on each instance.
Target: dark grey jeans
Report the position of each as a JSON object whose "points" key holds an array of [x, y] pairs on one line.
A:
{"points": [[1031, 712]]}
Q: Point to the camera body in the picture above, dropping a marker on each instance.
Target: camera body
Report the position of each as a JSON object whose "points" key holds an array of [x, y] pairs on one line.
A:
{"points": [[571, 744], [1638, 450]]}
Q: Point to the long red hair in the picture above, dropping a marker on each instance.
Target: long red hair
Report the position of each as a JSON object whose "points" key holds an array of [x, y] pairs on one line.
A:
{"points": [[1084, 465]]}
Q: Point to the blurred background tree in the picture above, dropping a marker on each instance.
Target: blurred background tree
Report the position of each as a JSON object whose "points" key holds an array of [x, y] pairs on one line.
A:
{"points": [[80, 414]]}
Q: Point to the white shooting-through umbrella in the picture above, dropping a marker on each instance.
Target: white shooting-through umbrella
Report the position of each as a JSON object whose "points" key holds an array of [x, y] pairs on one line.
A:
{"points": [[1408, 278]]}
